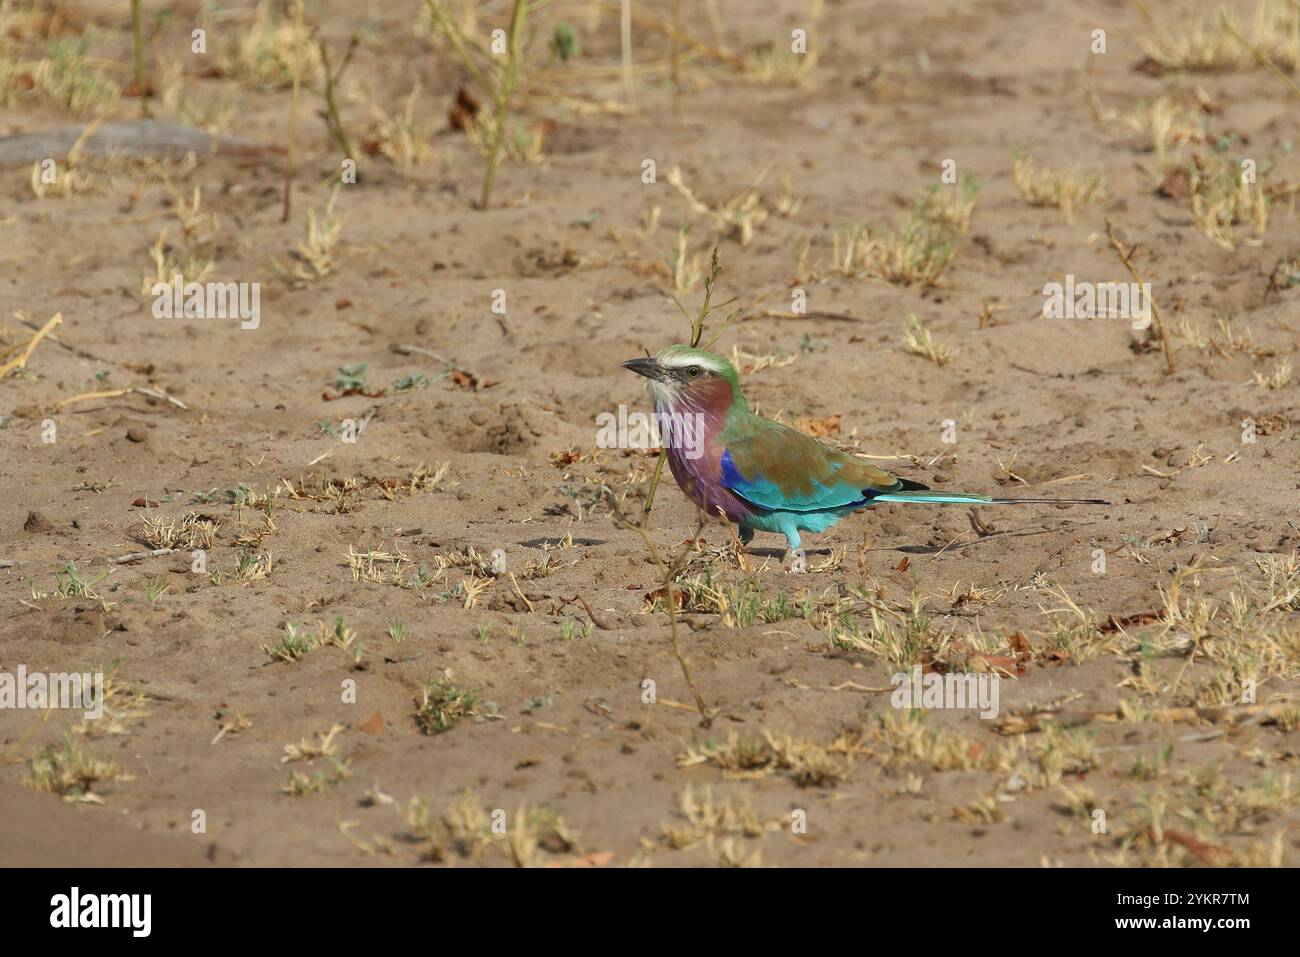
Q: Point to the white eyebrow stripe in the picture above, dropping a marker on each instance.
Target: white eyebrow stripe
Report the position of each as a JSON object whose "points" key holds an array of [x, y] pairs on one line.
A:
{"points": [[684, 361]]}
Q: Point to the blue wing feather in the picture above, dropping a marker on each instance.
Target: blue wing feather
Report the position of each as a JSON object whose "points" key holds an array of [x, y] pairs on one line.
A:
{"points": [[764, 493]]}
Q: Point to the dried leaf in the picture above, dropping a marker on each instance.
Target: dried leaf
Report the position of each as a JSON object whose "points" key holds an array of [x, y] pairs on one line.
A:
{"points": [[820, 428], [464, 379]]}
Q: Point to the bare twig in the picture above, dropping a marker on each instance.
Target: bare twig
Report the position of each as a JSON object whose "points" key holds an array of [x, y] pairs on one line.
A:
{"points": [[138, 33], [518, 591], [672, 568], [625, 43], [590, 614], [676, 56], [1262, 57], [21, 361], [293, 112], [510, 77], [137, 556], [63, 344], [697, 333], [447, 27], [332, 122], [797, 316], [646, 21], [115, 393], [403, 350], [1125, 256], [159, 394]]}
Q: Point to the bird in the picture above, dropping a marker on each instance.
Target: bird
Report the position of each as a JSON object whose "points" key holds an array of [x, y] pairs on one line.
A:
{"points": [[763, 475]]}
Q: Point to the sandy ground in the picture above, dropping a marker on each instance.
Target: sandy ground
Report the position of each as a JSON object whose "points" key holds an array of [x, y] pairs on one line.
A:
{"points": [[559, 741]]}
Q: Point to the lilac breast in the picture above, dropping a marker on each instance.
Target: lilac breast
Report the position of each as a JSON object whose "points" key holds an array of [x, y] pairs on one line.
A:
{"points": [[700, 477]]}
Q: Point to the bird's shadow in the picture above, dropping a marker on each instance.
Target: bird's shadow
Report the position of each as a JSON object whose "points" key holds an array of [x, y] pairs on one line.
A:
{"points": [[764, 551], [927, 549], [980, 539]]}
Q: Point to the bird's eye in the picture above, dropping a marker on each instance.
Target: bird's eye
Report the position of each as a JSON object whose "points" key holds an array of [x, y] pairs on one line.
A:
{"points": [[693, 371]]}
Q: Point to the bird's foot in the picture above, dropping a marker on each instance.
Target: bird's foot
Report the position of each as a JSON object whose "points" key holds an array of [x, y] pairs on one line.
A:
{"points": [[798, 561]]}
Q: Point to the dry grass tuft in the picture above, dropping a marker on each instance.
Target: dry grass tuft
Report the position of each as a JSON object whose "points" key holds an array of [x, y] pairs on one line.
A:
{"points": [[1278, 379], [1047, 187], [917, 254], [295, 645], [64, 77], [190, 533], [1211, 47], [807, 763], [263, 53], [313, 260], [1221, 198], [723, 826], [918, 342], [70, 769], [738, 217], [908, 740], [534, 838], [778, 64], [401, 137]]}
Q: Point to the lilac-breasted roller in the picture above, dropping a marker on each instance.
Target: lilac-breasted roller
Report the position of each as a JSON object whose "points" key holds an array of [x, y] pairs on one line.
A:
{"points": [[760, 474]]}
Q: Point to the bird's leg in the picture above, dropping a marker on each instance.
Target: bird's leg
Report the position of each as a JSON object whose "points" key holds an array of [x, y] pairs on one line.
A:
{"points": [[746, 536], [798, 560]]}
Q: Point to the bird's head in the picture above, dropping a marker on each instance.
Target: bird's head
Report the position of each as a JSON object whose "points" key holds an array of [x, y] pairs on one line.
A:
{"points": [[683, 377]]}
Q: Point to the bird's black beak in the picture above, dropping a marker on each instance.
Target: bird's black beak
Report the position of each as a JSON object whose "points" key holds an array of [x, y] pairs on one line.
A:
{"points": [[650, 368]]}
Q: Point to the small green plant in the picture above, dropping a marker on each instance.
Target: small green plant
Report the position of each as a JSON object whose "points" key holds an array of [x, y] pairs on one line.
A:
{"points": [[292, 647], [499, 88], [66, 76], [253, 566], [498, 79], [441, 705], [351, 376], [69, 769], [295, 645], [564, 42], [571, 628], [1286, 275], [1149, 768], [413, 381], [69, 583], [342, 636]]}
